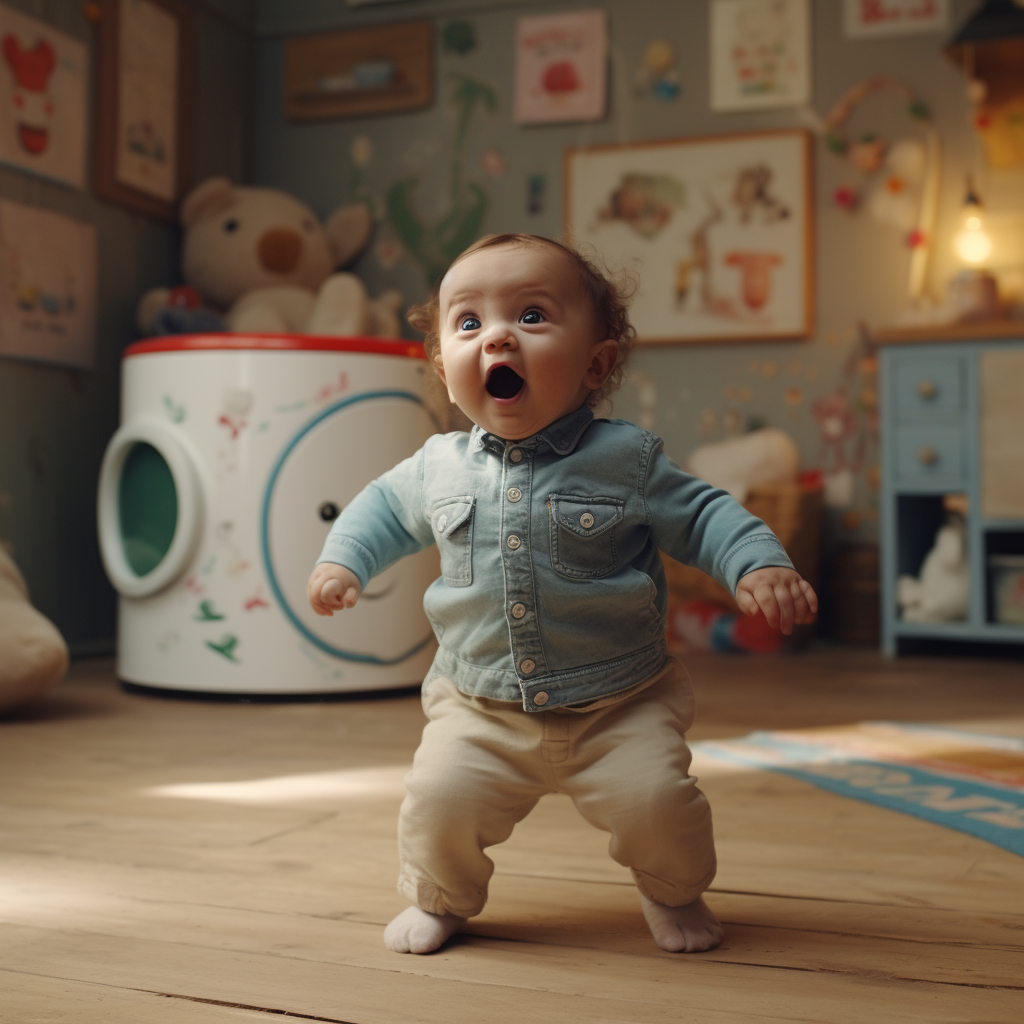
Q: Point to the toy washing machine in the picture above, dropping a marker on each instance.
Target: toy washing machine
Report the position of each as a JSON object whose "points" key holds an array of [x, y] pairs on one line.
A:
{"points": [[234, 456]]}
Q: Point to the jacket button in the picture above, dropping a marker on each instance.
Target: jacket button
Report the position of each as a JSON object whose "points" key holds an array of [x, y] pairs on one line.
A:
{"points": [[527, 665], [518, 611], [513, 541], [540, 698], [586, 520], [516, 455], [514, 494]]}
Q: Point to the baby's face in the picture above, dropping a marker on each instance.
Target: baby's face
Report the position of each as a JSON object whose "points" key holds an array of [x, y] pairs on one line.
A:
{"points": [[518, 341]]}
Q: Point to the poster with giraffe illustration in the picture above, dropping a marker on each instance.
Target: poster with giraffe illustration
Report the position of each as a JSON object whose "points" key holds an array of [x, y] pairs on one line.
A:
{"points": [[43, 78], [717, 231]]}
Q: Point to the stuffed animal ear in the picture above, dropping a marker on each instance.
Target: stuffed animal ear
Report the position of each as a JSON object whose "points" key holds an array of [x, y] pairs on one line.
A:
{"points": [[206, 200], [348, 230]]}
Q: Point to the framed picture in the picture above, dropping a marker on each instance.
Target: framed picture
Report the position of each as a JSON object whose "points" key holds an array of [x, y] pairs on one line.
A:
{"points": [[760, 54], [718, 230], [867, 19], [561, 67], [146, 58], [47, 286], [381, 69], [43, 89]]}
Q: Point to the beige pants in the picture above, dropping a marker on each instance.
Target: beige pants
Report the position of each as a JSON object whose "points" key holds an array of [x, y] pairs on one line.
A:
{"points": [[483, 764]]}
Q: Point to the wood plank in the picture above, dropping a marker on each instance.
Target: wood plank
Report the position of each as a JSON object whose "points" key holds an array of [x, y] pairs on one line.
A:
{"points": [[967, 331], [565, 904], [573, 916], [43, 999], [480, 979]]}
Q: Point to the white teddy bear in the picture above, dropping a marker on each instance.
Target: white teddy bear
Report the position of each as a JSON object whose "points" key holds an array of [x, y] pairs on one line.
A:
{"points": [[260, 259], [940, 593]]}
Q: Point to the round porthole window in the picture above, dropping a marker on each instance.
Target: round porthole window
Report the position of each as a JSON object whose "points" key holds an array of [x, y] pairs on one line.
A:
{"points": [[149, 508]]}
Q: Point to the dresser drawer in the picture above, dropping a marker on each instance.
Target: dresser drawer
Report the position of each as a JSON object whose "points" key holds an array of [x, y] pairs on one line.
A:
{"points": [[930, 452], [927, 387]]}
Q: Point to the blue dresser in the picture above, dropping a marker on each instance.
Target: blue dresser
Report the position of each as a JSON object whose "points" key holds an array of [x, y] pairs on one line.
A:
{"points": [[952, 422]]}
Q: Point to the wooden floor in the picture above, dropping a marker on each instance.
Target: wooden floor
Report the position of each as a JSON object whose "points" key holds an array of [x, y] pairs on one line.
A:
{"points": [[181, 861]]}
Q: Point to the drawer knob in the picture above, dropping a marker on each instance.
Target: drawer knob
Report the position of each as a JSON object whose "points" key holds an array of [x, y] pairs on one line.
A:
{"points": [[926, 389], [927, 455]]}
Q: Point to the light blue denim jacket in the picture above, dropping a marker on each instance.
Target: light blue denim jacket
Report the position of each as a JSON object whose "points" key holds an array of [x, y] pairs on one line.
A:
{"points": [[551, 587]]}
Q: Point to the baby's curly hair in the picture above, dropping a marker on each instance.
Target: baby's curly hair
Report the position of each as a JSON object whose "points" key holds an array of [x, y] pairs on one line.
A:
{"points": [[608, 300]]}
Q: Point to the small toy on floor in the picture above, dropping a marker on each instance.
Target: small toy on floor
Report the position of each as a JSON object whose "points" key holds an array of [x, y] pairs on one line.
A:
{"points": [[33, 655], [940, 592], [703, 626]]}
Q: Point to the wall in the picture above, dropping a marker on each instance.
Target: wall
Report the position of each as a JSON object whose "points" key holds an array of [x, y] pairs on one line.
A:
{"points": [[685, 393], [54, 422]]}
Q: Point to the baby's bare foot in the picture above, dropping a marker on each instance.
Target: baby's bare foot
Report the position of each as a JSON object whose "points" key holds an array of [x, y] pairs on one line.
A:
{"points": [[417, 931], [688, 929]]}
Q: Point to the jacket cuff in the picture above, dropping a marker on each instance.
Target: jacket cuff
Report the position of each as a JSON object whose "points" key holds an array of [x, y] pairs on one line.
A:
{"points": [[762, 551], [352, 555]]}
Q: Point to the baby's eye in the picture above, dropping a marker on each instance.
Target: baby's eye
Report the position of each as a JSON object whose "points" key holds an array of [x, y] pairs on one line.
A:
{"points": [[469, 323], [532, 316]]}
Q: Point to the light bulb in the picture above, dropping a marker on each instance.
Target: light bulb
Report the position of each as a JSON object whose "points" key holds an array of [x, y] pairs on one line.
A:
{"points": [[972, 242]]}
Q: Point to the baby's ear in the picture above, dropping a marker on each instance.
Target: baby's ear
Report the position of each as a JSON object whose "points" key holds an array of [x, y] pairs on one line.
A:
{"points": [[606, 355], [420, 318], [439, 366]]}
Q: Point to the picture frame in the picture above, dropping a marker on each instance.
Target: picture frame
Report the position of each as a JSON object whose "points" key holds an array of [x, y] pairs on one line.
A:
{"points": [[144, 104], [48, 275], [868, 19], [759, 54], [561, 67], [718, 229], [44, 85], [359, 72]]}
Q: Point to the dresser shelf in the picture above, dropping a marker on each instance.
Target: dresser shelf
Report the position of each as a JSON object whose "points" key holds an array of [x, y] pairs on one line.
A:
{"points": [[936, 424]]}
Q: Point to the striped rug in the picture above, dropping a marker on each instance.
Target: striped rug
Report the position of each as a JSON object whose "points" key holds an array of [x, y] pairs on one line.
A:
{"points": [[966, 781]]}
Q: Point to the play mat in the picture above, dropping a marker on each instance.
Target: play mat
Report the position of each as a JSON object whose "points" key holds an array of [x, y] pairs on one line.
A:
{"points": [[966, 781]]}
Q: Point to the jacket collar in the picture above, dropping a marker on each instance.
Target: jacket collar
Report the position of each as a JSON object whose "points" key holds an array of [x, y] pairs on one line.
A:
{"points": [[562, 436]]}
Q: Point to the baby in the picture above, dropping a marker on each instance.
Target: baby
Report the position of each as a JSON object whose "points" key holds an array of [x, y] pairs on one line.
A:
{"points": [[551, 674]]}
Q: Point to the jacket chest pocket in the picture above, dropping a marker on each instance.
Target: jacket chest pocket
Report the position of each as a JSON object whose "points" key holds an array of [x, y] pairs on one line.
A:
{"points": [[452, 522], [583, 535]]}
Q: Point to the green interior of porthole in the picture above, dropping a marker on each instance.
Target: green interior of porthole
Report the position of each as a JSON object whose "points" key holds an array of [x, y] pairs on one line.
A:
{"points": [[148, 507]]}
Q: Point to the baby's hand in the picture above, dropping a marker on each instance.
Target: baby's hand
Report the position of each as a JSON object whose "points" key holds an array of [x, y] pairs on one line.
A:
{"points": [[783, 596], [332, 587]]}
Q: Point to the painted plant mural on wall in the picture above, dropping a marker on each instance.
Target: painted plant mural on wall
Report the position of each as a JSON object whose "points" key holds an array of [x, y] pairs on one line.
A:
{"points": [[435, 245]]}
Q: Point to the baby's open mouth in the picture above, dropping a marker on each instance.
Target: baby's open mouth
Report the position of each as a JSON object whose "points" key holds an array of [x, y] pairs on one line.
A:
{"points": [[504, 382]]}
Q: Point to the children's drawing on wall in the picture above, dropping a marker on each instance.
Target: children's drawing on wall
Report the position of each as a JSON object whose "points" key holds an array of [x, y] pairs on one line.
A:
{"points": [[561, 67], [869, 19], [760, 53], [147, 108], [894, 183], [658, 74], [847, 424], [536, 186], [43, 81], [47, 286], [459, 37], [435, 245], [717, 230]]}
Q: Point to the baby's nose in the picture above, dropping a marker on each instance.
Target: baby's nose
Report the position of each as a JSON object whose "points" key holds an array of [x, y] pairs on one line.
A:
{"points": [[500, 337]]}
